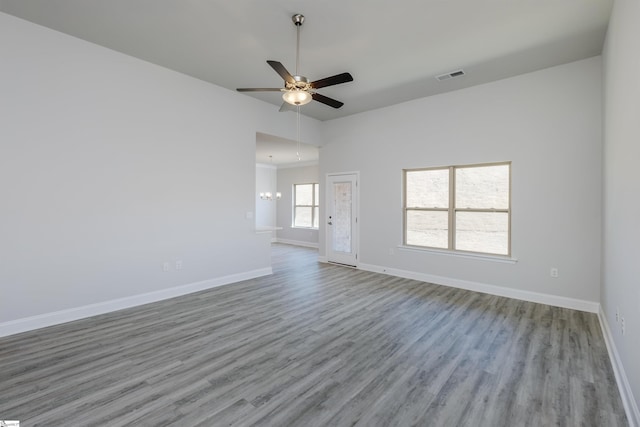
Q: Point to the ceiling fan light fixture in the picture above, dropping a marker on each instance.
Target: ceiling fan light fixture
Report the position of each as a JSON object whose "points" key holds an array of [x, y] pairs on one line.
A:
{"points": [[297, 97]]}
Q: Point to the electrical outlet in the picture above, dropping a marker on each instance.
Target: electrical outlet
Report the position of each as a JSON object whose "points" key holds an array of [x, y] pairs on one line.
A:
{"points": [[554, 272], [165, 266], [622, 325], [179, 265]]}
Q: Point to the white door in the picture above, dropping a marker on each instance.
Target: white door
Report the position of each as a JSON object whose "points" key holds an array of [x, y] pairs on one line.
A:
{"points": [[342, 218]]}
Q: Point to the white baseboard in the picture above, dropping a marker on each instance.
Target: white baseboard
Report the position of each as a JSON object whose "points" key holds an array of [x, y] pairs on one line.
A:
{"points": [[558, 301], [297, 243], [322, 258], [629, 402], [76, 313]]}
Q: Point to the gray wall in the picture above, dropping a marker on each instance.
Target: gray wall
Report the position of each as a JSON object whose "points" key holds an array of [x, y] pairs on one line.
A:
{"points": [[621, 207], [111, 166], [266, 181], [548, 123]]}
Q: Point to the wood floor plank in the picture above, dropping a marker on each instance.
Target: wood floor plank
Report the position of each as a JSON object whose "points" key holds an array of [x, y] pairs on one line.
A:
{"points": [[315, 345]]}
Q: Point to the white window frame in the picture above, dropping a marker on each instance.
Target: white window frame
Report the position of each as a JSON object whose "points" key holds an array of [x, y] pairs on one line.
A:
{"points": [[452, 210], [314, 204]]}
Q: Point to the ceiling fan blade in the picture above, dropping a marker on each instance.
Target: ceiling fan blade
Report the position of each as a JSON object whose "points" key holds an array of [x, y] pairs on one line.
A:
{"points": [[286, 76], [258, 89], [326, 100], [333, 80]]}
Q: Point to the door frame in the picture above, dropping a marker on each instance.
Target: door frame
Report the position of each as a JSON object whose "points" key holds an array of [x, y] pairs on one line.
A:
{"points": [[355, 232]]}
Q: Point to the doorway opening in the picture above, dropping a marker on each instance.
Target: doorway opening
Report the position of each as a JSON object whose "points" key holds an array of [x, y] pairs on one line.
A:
{"points": [[280, 173]]}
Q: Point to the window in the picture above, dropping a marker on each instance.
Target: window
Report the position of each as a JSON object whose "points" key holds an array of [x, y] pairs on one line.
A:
{"points": [[460, 208], [305, 205]]}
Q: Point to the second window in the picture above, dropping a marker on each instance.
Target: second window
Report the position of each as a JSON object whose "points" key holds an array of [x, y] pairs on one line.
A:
{"points": [[305, 205]]}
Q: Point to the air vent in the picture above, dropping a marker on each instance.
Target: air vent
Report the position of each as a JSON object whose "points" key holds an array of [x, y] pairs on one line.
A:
{"points": [[452, 74]]}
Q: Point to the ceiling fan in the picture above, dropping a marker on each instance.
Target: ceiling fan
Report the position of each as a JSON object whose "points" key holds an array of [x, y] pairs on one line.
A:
{"points": [[297, 89]]}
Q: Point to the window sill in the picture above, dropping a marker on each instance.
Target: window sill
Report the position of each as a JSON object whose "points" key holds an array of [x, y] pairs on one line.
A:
{"points": [[471, 255], [304, 228]]}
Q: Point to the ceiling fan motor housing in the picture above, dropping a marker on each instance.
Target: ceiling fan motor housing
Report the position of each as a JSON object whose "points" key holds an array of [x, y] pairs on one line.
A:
{"points": [[299, 82]]}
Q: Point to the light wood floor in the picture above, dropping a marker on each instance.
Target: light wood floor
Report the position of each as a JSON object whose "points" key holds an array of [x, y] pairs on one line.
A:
{"points": [[316, 345]]}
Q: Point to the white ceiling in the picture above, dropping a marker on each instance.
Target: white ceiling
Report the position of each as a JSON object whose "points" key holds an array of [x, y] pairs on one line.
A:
{"points": [[393, 49]]}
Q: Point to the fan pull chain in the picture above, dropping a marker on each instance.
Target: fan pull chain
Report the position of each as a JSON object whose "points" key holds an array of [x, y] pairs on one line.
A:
{"points": [[298, 133]]}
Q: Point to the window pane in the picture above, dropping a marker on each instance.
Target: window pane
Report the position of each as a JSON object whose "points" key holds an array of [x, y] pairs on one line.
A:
{"points": [[483, 187], [342, 217], [427, 228], [483, 232], [428, 189], [302, 217], [317, 194], [304, 194], [316, 216]]}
